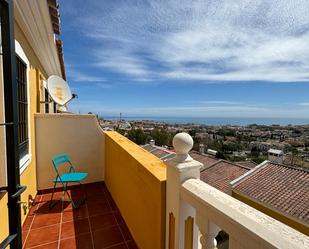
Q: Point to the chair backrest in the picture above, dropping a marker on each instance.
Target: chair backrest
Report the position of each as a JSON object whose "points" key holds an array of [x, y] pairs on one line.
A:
{"points": [[60, 159]]}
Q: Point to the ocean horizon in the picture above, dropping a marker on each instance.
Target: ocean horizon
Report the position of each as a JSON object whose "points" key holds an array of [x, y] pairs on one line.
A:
{"points": [[218, 121]]}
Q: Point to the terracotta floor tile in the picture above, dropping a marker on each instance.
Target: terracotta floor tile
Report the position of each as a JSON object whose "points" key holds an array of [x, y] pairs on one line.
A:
{"points": [[24, 235], [113, 205], [27, 222], [44, 208], [97, 198], [46, 220], [46, 197], [119, 218], [74, 228], [67, 204], [80, 242], [78, 192], [132, 245], [53, 245], [119, 246], [33, 209], [101, 221], [107, 237], [42, 236], [76, 214], [126, 232], [95, 192], [98, 208]]}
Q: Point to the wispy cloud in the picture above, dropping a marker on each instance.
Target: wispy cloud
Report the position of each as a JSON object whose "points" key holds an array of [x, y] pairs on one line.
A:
{"points": [[303, 104], [200, 40], [81, 77], [219, 102]]}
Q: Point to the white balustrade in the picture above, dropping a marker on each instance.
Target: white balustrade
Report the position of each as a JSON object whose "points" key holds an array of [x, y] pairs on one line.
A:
{"points": [[213, 210], [179, 169], [208, 230]]}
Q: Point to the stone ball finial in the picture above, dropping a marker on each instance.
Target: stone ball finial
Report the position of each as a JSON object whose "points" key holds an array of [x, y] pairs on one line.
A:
{"points": [[182, 143]]}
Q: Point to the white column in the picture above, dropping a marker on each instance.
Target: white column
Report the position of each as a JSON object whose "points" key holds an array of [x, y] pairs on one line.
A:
{"points": [[179, 169], [208, 231]]}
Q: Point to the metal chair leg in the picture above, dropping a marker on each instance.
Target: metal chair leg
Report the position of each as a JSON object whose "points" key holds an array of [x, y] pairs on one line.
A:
{"points": [[70, 198], [51, 199]]}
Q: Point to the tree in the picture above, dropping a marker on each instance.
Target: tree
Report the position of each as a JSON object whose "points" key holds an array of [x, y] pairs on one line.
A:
{"points": [[137, 136], [294, 155], [161, 137]]}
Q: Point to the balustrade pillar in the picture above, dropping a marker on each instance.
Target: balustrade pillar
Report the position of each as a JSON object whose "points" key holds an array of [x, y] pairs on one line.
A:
{"points": [[208, 231], [179, 169]]}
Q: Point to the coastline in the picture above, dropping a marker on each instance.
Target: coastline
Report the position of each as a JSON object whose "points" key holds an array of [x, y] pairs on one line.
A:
{"points": [[217, 121]]}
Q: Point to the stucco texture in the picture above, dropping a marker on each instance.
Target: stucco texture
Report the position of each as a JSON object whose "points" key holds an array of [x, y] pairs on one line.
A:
{"points": [[137, 182]]}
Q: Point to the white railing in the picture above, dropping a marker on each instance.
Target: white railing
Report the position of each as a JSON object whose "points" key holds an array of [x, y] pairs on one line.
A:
{"points": [[188, 198]]}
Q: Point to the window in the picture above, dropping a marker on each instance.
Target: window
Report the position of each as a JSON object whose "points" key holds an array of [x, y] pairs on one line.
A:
{"points": [[46, 101], [55, 107], [22, 100]]}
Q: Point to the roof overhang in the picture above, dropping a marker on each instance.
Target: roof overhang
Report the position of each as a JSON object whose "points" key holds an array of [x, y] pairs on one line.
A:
{"points": [[34, 19]]}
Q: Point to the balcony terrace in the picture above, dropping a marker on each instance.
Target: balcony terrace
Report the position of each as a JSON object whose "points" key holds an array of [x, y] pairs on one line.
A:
{"points": [[135, 200]]}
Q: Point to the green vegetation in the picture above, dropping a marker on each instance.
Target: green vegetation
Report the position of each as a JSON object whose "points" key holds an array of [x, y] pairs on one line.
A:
{"points": [[138, 136]]}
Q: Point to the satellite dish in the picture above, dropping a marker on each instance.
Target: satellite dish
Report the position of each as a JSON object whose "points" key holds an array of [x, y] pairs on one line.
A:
{"points": [[63, 108], [59, 90]]}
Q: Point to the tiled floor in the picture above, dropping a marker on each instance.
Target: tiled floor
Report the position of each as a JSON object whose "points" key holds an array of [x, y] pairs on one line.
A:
{"points": [[95, 225]]}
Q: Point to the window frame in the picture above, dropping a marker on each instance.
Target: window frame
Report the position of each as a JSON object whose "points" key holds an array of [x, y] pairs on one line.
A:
{"points": [[46, 100], [26, 159]]}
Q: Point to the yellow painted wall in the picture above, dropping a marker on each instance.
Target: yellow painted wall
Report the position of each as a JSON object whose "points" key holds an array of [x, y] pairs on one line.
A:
{"points": [[137, 182], [303, 228], [28, 176]]}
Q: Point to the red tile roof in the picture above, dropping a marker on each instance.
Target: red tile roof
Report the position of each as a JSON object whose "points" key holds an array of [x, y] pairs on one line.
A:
{"points": [[148, 147], [206, 159], [216, 172], [247, 163], [222, 173], [280, 187], [160, 153]]}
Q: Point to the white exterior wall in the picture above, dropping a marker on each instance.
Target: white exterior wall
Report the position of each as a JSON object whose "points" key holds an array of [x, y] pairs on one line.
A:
{"points": [[80, 136]]}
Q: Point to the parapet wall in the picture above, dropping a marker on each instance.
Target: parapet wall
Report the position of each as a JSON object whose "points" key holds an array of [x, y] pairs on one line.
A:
{"points": [[80, 136], [137, 181]]}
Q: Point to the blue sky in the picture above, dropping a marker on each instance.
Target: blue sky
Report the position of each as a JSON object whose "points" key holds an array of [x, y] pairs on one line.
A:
{"points": [[197, 58]]}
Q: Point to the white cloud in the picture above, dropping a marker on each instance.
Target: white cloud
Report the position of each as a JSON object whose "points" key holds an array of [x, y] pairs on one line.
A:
{"points": [[219, 102], [200, 40], [303, 104], [81, 77]]}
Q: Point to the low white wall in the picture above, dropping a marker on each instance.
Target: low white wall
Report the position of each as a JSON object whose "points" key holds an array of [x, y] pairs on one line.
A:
{"points": [[80, 136]]}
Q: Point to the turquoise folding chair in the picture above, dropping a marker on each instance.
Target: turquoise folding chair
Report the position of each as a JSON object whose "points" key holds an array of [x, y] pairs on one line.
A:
{"points": [[71, 177]]}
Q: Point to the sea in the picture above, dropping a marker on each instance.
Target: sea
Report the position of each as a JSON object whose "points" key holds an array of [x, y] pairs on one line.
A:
{"points": [[219, 121]]}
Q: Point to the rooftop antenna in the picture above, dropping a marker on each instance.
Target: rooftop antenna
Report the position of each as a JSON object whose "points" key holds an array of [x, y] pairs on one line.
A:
{"points": [[60, 92]]}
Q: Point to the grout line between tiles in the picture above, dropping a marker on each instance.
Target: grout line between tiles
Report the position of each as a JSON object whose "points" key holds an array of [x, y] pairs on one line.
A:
{"points": [[115, 245], [23, 246], [117, 221], [88, 217], [60, 225], [46, 226], [44, 244]]}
